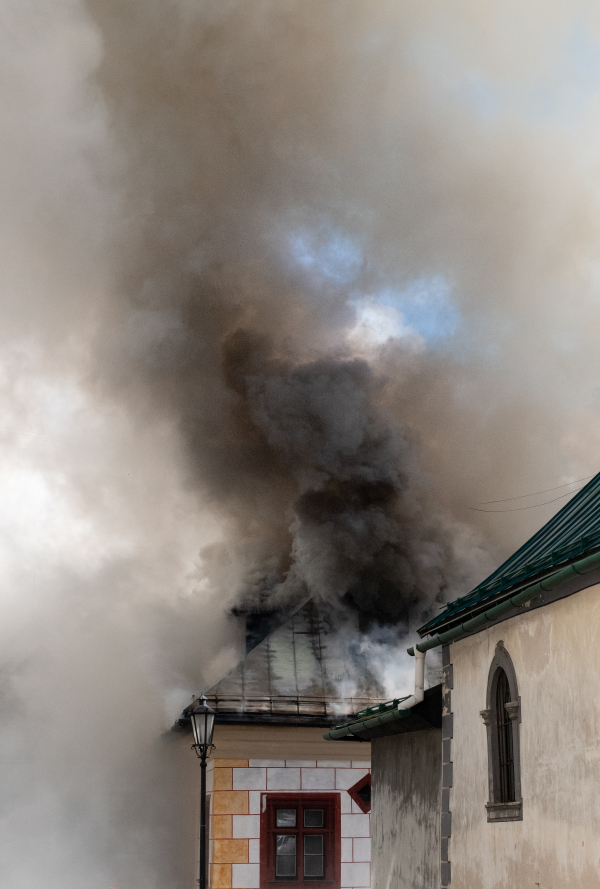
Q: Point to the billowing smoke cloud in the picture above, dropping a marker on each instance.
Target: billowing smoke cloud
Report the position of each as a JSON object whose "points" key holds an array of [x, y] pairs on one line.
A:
{"points": [[242, 294], [286, 288]]}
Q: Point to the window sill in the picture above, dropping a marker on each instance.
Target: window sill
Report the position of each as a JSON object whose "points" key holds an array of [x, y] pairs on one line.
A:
{"points": [[505, 811], [313, 882]]}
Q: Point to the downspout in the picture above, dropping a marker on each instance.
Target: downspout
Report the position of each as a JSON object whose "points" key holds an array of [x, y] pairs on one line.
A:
{"points": [[582, 566], [419, 694]]}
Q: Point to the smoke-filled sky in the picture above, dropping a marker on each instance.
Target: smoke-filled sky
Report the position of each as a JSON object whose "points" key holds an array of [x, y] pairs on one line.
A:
{"points": [[286, 287]]}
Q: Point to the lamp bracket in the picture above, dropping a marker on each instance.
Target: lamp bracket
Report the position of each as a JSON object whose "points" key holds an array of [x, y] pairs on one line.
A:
{"points": [[203, 751]]}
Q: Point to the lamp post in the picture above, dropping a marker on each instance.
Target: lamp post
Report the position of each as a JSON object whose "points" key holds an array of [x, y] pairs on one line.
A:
{"points": [[203, 724]]}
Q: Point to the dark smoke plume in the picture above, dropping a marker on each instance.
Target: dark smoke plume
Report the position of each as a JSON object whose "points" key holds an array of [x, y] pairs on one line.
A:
{"points": [[287, 287], [284, 418]]}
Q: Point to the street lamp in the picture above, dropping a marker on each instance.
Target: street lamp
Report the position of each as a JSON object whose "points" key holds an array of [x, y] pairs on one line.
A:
{"points": [[203, 724]]}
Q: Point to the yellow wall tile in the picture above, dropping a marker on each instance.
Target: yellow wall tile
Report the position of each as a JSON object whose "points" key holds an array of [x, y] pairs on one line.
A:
{"points": [[223, 779], [221, 876], [230, 802], [231, 763], [230, 851], [222, 827]]}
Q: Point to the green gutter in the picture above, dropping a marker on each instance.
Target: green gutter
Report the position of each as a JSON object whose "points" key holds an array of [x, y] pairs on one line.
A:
{"points": [[582, 566], [351, 729]]}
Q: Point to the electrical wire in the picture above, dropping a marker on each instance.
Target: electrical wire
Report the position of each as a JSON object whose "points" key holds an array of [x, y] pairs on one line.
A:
{"points": [[535, 493], [520, 508]]}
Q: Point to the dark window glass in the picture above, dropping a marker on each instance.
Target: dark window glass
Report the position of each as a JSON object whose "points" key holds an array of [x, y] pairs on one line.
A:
{"points": [[506, 762], [286, 817], [313, 817], [285, 856], [313, 855], [365, 793]]}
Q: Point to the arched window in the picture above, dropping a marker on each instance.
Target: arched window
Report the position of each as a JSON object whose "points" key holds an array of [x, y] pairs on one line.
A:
{"points": [[502, 717], [504, 740]]}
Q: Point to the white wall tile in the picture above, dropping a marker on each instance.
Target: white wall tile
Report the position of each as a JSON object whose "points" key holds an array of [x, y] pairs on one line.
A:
{"points": [[247, 876], [361, 763], [254, 802], [298, 763], [355, 826], [356, 809], [246, 826], [318, 779], [346, 849], [254, 851], [333, 763], [266, 763], [283, 779], [345, 803], [355, 875], [250, 779], [345, 778], [362, 849]]}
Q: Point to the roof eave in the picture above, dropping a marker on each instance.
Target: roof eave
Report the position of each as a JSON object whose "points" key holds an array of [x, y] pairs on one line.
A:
{"points": [[426, 715], [458, 617]]}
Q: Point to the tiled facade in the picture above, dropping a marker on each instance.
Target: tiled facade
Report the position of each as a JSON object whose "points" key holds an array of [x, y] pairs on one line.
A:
{"points": [[236, 787]]}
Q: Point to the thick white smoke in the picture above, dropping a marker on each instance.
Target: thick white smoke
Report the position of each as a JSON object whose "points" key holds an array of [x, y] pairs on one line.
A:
{"points": [[285, 288]]}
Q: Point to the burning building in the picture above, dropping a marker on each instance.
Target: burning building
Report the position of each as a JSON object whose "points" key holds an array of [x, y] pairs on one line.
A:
{"points": [[286, 805]]}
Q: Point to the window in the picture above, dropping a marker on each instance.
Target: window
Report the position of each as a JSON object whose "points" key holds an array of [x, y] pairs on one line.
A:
{"points": [[300, 840], [502, 718], [361, 793], [506, 765]]}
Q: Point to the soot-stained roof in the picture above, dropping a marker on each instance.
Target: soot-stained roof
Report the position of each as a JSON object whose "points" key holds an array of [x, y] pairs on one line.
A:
{"points": [[295, 676]]}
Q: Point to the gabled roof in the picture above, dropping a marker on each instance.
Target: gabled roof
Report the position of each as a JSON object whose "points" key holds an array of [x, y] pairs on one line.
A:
{"points": [[292, 677], [574, 531]]}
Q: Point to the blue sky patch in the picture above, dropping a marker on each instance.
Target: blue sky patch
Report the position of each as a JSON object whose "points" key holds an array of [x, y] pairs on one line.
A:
{"points": [[426, 307], [331, 254]]}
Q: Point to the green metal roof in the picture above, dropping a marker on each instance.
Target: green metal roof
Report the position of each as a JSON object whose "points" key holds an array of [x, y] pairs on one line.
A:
{"points": [[385, 719], [572, 532]]}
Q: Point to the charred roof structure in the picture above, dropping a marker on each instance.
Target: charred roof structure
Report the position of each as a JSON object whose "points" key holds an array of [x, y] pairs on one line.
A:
{"points": [[291, 677]]}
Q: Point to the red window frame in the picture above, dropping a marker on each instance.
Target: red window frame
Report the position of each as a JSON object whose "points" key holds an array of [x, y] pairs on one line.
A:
{"points": [[330, 803], [365, 781]]}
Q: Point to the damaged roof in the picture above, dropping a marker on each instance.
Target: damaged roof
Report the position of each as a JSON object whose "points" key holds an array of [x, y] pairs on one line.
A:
{"points": [[574, 531], [292, 677]]}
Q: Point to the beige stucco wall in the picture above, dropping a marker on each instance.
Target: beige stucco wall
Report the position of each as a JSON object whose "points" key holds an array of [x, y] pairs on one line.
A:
{"points": [[284, 742], [556, 654]]}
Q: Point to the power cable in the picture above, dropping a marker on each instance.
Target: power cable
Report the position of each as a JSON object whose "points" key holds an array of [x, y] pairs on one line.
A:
{"points": [[535, 493], [520, 508]]}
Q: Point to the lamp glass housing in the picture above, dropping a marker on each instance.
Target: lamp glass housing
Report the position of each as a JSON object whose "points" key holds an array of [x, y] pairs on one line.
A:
{"points": [[203, 723]]}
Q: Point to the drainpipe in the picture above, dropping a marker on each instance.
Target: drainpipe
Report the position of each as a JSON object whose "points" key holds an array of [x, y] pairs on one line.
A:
{"points": [[419, 694]]}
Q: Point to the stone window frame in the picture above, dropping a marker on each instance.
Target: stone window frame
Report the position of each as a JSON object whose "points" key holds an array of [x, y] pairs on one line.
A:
{"points": [[496, 810]]}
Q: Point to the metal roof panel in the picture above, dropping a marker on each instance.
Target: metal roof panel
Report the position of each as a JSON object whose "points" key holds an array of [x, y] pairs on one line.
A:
{"points": [[572, 532]]}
